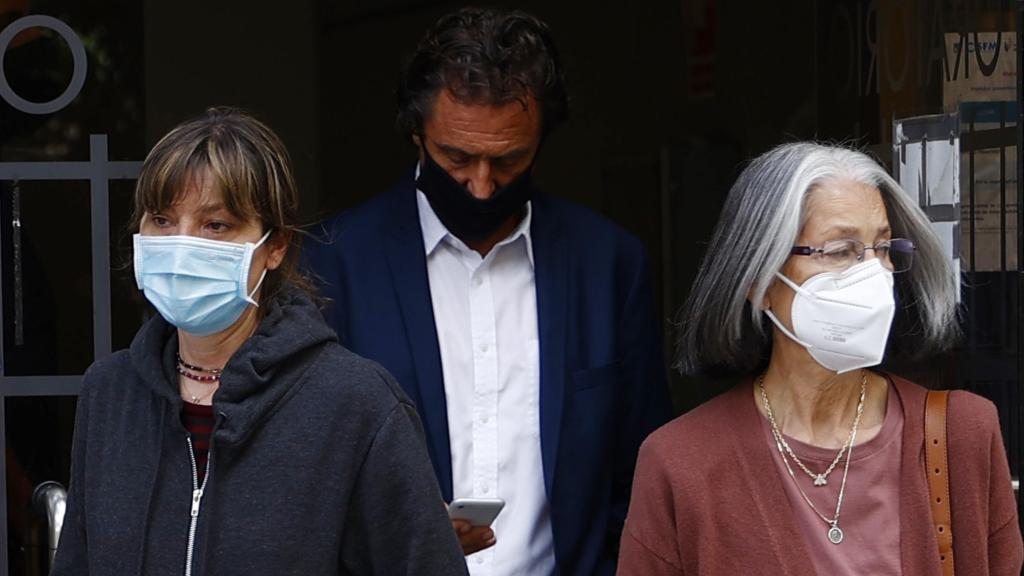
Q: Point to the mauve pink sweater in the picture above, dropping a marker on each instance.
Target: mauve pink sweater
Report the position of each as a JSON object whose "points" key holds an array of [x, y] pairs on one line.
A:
{"points": [[708, 500]]}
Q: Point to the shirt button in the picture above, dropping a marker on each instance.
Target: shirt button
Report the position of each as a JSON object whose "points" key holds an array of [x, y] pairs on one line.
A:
{"points": [[487, 490], [479, 560], [478, 281], [484, 419], [483, 348]]}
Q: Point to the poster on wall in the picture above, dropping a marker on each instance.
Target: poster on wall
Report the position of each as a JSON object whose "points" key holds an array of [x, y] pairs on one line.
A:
{"points": [[980, 67], [926, 151], [981, 84]]}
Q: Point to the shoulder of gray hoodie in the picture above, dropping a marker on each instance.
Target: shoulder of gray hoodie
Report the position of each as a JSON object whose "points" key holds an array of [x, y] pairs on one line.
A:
{"points": [[291, 388]]}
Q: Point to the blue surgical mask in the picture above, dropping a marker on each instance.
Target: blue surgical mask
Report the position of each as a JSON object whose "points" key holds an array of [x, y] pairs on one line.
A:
{"points": [[198, 285]]}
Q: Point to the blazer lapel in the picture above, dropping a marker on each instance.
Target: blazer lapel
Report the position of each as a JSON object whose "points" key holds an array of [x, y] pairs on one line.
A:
{"points": [[407, 260], [551, 278]]}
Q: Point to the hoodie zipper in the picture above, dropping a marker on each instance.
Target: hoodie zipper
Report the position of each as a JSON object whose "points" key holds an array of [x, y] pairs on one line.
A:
{"points": [[197, 498]]}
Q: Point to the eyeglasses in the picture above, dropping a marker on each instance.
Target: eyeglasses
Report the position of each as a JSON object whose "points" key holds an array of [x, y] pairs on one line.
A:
{"points": [[897, 254]]}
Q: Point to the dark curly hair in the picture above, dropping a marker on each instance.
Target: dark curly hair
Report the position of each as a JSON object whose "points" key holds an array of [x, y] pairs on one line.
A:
{"points": [[484, 56]]}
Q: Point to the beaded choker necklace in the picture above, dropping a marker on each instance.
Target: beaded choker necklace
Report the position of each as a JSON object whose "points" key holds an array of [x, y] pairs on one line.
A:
{"points": [[206, 376], [189, 371]]}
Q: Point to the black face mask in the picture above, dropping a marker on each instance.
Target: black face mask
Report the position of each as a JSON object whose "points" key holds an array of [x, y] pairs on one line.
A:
{"points": [[467, 217]]}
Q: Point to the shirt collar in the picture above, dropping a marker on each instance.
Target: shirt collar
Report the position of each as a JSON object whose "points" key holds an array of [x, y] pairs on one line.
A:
{"points": [[434, 231]]}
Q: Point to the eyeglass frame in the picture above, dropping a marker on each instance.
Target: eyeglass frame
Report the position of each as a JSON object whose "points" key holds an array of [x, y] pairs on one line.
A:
{"points": [[892, 242]]}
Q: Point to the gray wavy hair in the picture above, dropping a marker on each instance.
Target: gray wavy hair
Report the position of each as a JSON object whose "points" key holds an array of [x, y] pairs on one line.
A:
{"points": [[722, 331]]}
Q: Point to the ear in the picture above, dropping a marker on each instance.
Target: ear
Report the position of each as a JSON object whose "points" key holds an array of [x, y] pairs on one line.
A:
{"points": [[766, 300], [277, 247], [417, 141]]}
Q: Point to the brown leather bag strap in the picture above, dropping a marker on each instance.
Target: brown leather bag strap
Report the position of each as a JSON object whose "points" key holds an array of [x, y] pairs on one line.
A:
{"points": [[937, 459]]}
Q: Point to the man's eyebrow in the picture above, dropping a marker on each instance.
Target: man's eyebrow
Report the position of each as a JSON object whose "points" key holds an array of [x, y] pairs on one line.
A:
{"points": [[455, 151], [513, 154]]}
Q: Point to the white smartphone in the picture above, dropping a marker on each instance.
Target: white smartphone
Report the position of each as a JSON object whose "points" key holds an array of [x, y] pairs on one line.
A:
{"points": [[477, 511]]}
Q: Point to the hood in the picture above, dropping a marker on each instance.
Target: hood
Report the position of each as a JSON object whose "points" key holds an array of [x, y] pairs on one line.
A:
{"points": [[263, 371]]}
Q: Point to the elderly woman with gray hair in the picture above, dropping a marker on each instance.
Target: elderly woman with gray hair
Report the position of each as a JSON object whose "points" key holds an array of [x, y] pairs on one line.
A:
{"points": [[815, 463]]}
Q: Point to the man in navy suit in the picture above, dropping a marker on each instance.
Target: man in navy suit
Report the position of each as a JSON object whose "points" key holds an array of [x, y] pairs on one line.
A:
{"points": [[521, 325]]}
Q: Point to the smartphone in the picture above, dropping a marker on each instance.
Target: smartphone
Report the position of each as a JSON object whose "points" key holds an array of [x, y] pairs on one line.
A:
{"points": [[477, 511]]}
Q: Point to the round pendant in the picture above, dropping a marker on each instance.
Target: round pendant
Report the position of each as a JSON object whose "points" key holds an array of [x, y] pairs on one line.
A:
{"points": [[835, 535]]}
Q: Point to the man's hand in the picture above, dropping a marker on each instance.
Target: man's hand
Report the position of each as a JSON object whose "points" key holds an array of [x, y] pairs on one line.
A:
{"points": [[473, 538]]}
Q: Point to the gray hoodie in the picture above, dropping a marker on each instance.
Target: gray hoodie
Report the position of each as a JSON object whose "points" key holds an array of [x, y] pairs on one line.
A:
{"points": [[317, 464]]}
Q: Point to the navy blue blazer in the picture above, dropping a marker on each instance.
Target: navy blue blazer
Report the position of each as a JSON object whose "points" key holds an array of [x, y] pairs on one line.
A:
{"points": [[602, 377]]}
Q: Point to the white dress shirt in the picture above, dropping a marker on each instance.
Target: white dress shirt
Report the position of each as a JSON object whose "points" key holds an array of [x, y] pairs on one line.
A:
{"points": [[485, 310]]}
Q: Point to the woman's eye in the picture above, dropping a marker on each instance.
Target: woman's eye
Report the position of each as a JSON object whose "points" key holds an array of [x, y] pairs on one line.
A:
{"points": [[159, 220], [218, 226], [838, 254]]}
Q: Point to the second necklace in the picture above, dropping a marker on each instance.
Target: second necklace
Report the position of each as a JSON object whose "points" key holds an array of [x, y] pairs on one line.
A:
{"points": [[835, 533]]}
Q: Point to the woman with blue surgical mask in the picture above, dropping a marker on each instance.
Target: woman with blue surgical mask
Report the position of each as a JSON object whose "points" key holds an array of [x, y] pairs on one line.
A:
{"points": [[815, 462], [236, 436]]}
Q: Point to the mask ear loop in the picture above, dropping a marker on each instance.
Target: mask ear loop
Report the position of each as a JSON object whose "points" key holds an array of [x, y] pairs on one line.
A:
{"points": [[784, 330], [258, 284], [262, 240], [778, 323], [794, 286], [243, 283]]}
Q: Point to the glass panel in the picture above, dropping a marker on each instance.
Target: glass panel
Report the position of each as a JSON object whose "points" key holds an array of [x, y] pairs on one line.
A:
{"points": [[47, 277], [39, 431]]}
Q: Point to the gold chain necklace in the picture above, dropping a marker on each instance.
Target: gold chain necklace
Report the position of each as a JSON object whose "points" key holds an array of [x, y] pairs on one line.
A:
{"points": [[819, 479], [835, 534]]}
